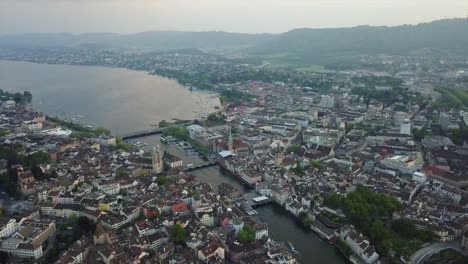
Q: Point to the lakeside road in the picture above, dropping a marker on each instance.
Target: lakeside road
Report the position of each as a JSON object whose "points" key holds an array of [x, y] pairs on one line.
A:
{"points": [[425, 253]]}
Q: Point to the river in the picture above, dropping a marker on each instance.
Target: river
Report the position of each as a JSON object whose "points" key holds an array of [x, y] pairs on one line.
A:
{"points": [[282, 225], [125, 101]]}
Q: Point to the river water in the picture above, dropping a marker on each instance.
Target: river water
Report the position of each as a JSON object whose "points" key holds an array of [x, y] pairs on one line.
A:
{"points": [[125, 101]]}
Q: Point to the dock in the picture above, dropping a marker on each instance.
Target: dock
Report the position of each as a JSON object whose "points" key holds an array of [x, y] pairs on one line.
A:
{"points": [[251, 200]]}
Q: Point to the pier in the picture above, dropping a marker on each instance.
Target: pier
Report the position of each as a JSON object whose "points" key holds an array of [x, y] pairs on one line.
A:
{"points": [[143, 133]]}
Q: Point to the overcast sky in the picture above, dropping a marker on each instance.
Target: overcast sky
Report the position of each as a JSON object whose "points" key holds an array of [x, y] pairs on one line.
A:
{"points": [[252, 16]]}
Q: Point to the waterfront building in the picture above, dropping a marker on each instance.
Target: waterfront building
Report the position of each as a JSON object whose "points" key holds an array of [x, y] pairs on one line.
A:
{"points": [[172, 161]]}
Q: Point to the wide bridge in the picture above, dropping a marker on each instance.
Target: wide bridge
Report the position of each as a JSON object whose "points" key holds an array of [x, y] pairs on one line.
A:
{"points": [[200, 166], [143, 133]]}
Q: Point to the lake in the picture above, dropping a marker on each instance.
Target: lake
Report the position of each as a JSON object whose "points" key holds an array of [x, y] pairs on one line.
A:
{"points": [[119, 99]]}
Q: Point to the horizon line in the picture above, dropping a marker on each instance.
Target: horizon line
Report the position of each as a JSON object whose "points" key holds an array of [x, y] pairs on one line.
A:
{"points": [[223, 31]]}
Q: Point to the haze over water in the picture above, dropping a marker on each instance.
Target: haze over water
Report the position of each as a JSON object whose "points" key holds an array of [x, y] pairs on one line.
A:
{"points": [[119, 99]]}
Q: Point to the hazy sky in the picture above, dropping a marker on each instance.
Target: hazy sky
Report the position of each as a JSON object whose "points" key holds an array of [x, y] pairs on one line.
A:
{"points": [[125, 16]]}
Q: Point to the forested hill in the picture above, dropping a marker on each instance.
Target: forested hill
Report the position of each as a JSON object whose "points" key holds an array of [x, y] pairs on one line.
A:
{"points": [[318, 46], [443, 37]]}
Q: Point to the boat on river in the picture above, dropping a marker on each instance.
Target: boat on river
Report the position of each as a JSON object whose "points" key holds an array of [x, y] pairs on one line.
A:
{"points": [[293, 249]]}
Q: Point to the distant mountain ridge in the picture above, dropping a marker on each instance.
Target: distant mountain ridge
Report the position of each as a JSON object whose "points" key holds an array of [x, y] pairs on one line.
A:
{"points": [[443, 37], [150, 40]]}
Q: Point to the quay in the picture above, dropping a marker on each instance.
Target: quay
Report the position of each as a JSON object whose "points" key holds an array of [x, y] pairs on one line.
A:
{"points": [[251, 200]]}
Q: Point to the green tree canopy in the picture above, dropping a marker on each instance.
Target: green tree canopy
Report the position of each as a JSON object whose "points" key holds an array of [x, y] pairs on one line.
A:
{"points": [[177, 234], [246, 234]]}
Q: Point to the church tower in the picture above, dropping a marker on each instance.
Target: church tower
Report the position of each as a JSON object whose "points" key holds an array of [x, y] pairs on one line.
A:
{"points": [[157, 160]]}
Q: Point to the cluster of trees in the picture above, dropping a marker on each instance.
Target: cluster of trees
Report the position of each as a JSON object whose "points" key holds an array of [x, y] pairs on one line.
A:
{"points": [[343, 247], [406, 228], [9, 179], [299, 170], [163, 180], [419, 134], [362, 206], [177, 234], [70, 231], [371, 213], [246, 234], [177, 132], [294, 148], [305, 219], [234, 97], [4, 132], [216, 117], [453, 98], [79, 131], [19, 98], [458, 136], [202, 148], [163, 123], [120, 144]]}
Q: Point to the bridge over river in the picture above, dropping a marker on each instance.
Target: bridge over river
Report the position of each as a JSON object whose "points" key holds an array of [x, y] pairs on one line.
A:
{"points": [[143, 133]]}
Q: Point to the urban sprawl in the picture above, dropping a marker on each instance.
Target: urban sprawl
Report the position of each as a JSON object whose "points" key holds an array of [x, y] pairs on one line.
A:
{"points": [[375, 162]]}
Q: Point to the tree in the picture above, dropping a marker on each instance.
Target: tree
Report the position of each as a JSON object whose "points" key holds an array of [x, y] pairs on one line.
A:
{"points": [[298, 168], [177, 233], [332, 200], [246, 234], [28, 96], [101, 131], [163, 123], [120, 173], [294, 148], [4, 132], [343, 247], [305, 219], [86, 225], [315, 164]]}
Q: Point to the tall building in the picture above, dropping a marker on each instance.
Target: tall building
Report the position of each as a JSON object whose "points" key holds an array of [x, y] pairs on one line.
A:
{"points": [[405, 128], [399, 118], [444, 120], [230, 146], [327, 101], [158, 164]]}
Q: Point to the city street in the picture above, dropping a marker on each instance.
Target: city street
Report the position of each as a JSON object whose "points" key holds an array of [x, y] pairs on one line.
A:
{"points": [[425, 253]]}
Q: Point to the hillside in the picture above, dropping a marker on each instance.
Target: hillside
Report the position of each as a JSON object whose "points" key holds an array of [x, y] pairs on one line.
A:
{"points": [[299, 46], [322, 46]]}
